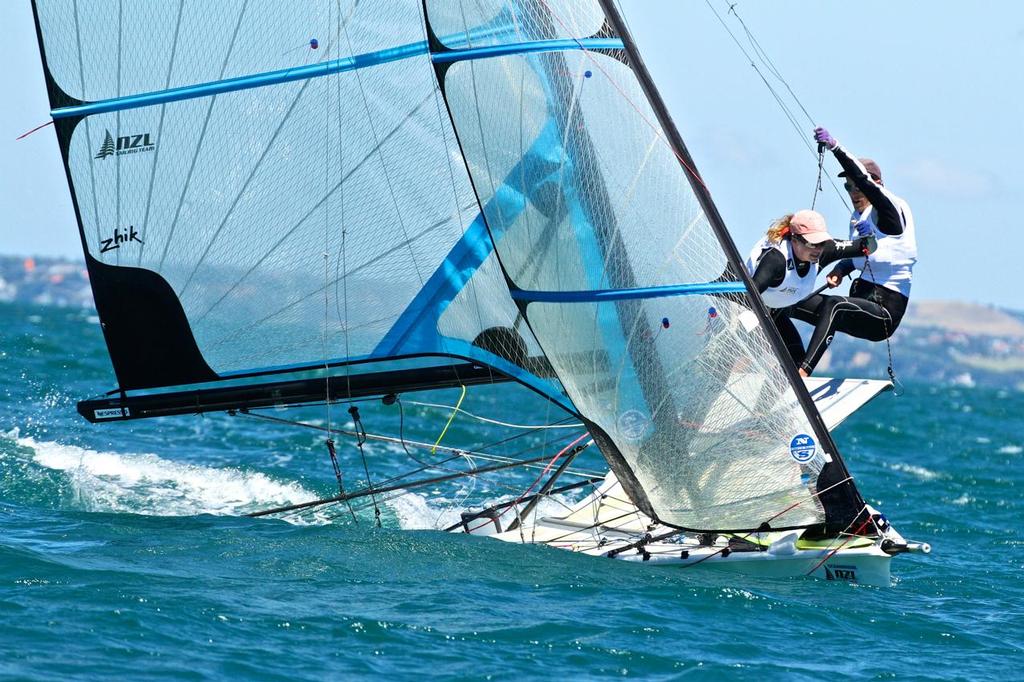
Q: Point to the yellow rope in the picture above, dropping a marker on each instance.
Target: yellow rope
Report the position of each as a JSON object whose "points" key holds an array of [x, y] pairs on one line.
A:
{"points": [[445, 429]]}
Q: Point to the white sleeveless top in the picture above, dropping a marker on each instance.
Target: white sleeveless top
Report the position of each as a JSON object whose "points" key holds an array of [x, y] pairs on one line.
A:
{"points": [[793, 288], [891, 265]]}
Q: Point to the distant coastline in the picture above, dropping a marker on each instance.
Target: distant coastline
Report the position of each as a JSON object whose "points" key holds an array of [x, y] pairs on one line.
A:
{"points": [[942, 342]]}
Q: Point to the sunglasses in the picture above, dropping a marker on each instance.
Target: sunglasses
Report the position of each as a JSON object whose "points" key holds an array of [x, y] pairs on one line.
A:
{"points": [[850, 187]]}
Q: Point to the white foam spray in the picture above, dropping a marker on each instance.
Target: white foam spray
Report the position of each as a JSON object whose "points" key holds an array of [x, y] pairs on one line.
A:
{"points": [[149, 484]]}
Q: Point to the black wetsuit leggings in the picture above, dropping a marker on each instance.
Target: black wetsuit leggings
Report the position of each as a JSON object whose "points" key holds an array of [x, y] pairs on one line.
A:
{"points": [[870, 312]]}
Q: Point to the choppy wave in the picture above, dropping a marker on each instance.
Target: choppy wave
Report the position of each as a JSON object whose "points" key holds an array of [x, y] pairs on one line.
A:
{"points": [[144, 483]]}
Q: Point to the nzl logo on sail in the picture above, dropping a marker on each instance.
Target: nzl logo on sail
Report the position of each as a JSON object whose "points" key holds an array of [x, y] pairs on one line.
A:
{"points": [[126, 144]]}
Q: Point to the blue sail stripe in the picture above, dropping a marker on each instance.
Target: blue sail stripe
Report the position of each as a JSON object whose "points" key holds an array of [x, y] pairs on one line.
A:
{"points": [[602, 295], [360, 61], [526, 48]]}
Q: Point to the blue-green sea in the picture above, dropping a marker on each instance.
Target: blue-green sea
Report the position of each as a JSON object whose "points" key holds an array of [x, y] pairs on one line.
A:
{"points": [[124, 551]]}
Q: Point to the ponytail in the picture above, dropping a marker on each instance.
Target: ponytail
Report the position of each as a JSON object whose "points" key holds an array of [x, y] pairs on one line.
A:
{"points": [[779, 229]]}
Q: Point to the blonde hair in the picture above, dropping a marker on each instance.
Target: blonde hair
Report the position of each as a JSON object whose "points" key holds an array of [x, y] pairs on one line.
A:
{"points": [[779, 228]]}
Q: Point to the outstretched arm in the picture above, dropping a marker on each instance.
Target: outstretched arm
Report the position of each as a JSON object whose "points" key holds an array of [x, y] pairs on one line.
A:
{"points": [[890, 218], [840, 249]]}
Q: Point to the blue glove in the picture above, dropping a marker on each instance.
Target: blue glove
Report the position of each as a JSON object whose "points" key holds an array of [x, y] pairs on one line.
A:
{"points": [[863, 229], [822, 136]]}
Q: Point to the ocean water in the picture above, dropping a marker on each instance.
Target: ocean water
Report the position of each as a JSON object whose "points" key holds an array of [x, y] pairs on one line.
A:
{"points": [[124, 552]]}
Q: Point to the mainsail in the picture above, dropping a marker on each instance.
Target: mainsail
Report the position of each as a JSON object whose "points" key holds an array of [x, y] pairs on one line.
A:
{"points": [[354, 197]]}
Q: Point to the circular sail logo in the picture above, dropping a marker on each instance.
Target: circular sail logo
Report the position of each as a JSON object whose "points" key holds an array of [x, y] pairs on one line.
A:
{"points": [[802, 448], [632, 424]]}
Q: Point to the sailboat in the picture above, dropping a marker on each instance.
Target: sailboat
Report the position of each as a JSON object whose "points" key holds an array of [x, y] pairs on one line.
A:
{"points": [[336, 200]]}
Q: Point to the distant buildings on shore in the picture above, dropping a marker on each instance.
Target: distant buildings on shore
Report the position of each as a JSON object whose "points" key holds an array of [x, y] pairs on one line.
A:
{"points": [[44, 281]]}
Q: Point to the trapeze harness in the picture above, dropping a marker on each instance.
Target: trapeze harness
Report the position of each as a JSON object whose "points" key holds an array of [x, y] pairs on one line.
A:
{"points": [[878, 298], [783, 281]]}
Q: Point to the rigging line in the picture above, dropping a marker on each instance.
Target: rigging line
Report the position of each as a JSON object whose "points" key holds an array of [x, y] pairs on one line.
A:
{"points": [[387, 489], [427, 465], [455, 504], [327, 379], [779, 100], [344, 239], [766, 60], [450, 419], [401, 432], [855, 533], [456, 452], [159, 133], [897, 386], [550, 493], [337, 474], [519, 518], [38, 127], [495, 421], [544, 472], [440, 465], [343, 261], [360, 440], [202, 137], [380, 154], [821, 169], [656, 128]]}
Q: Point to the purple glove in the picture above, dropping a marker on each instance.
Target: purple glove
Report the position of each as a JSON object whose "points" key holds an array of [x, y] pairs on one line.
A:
{"points": [[822, 136]]}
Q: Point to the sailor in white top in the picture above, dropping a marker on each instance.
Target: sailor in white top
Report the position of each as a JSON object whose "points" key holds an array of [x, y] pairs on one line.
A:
{"points": [[878, 298], [785, 263]]}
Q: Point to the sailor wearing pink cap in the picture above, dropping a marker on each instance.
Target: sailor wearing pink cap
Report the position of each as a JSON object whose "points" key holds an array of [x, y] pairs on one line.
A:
{"points": [[785, 264], [879, 297]]}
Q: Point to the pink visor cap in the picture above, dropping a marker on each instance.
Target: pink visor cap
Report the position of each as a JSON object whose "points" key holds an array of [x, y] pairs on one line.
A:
{"points": [[810, 225]]}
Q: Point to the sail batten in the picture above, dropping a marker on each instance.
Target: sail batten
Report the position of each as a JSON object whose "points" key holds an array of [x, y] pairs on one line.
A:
{"points": [[327, 68], [594, 296], [502, 50]]}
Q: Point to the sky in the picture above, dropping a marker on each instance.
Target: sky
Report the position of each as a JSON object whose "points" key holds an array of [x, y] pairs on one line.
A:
{"points": [[931, 90]]}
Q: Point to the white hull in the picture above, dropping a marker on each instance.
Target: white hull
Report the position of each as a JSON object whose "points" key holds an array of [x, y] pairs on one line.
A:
{"points": [[605, 524], [608, 524]]}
